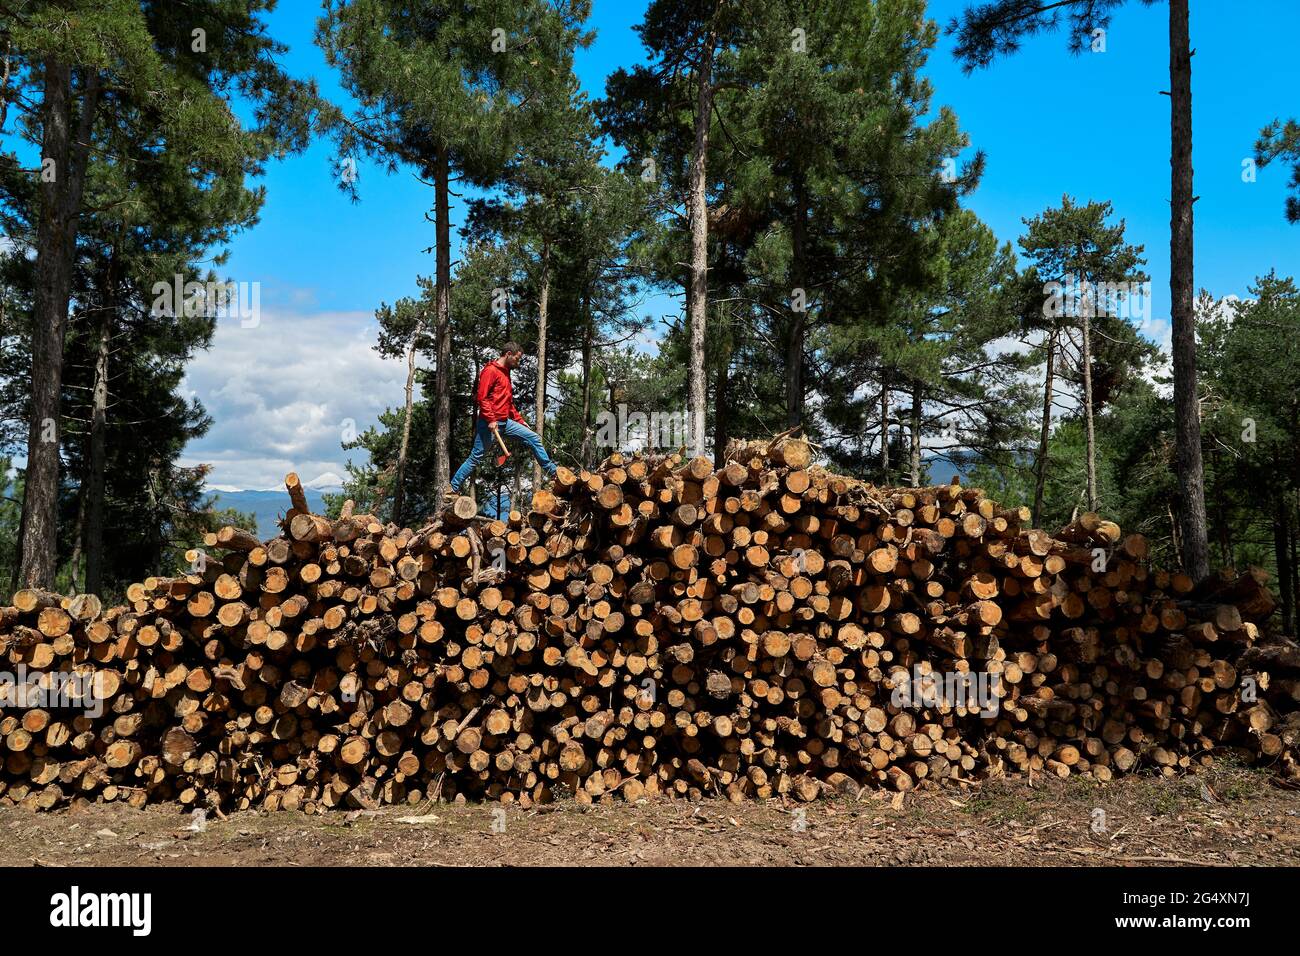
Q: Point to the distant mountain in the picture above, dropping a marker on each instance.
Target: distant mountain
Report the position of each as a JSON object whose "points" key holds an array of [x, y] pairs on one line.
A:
{"points": [[267, 506], [326, 482]]}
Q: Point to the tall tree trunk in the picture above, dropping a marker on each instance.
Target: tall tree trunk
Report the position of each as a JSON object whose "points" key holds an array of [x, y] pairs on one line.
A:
{"points": [[1040, 465], [403, 449], [1282, 553], [88, 541], [1187, 417], [798, 316], [5, 94], [697, 291], [75, 580], [721, 410], [884, 431], [97, 459], [1085, 326], [1295, 558], [1174, 534], [543, 303], [56, 240], [916, 435], [15, 576], [587, 335], [155, 510], [442, 322]]}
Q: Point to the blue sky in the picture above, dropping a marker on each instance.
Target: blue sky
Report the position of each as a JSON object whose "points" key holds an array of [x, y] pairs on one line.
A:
{"points": [[315, 245], [1094, 126]]}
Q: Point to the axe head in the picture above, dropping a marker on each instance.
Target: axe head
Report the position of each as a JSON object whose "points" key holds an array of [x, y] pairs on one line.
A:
{"points": [[505, 452]]}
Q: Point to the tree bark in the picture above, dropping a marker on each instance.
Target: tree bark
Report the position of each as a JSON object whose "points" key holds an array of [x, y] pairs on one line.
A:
{"points": [[543, 303], [1040, 466], [884, 431], [799, 316], [697, 290], [442, 322], [1187, 417], [916, 435], [75, 579], [1085, 326], [94, 528], [60, 208], [403, 449], [587, 335], [720, 412], [1295, 558], [15, 575], [5, 95]]}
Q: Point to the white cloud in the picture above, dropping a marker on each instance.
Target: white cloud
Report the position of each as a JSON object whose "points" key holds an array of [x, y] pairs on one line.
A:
{"points": [[281, 394]]}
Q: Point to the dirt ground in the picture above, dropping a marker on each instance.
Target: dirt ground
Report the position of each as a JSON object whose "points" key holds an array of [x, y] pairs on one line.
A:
{"points": [[1222, 817]]}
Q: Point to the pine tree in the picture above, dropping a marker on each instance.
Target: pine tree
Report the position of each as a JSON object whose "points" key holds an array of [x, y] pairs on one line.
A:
{"points": [[933, 361], [601, 259], [1253, 379], [593, 283], [665, 117], [536, 215], [123, 73], [1077, 254], [991, 29], [1281, 141], [445, 88], [837, 151]]}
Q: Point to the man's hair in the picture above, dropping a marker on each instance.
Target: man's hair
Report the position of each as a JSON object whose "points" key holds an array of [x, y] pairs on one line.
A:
{"points": [[510, 348]]}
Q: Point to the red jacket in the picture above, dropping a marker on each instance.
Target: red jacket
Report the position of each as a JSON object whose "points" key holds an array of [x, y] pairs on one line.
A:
{"points": [[495, 395]]}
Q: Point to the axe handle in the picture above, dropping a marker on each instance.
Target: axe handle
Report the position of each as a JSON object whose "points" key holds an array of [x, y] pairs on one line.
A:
{"points": [[501, 442]]}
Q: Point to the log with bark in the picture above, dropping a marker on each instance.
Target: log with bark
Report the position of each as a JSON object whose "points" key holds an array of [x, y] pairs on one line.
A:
{"points": [[654, 627]]}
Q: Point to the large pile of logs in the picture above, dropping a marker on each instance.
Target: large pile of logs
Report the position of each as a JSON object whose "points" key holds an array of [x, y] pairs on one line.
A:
{"points": [[654, 627]]}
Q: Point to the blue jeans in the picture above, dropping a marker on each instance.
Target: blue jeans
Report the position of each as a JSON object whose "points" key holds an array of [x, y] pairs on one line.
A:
{"points": [[485, 446]]}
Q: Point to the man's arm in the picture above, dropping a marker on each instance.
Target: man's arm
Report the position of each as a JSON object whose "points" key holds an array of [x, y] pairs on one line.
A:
{"points": [[481, 390]]}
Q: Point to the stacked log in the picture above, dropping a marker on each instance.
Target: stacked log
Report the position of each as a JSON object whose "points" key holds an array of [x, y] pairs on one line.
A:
{"points": [[654, 627]]}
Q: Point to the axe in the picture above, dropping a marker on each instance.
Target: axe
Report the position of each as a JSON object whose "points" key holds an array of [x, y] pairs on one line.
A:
{"points": [[505, 452]]}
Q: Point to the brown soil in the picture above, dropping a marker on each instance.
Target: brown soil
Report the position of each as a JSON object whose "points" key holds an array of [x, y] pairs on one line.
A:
{"points": [[1224, 817]]}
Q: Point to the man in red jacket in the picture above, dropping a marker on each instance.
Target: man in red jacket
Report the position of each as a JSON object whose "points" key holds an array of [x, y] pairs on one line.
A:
{"points": [[495, 399]]}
